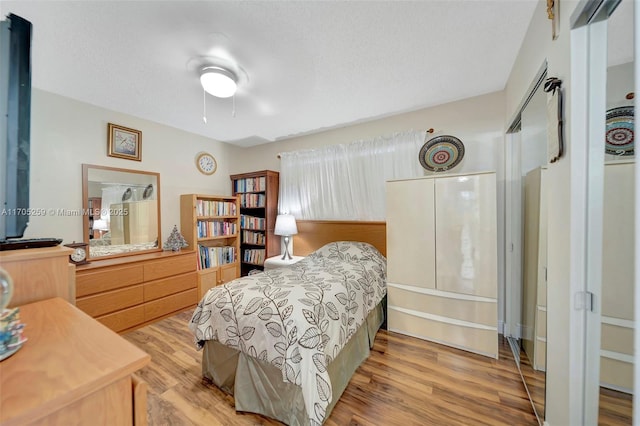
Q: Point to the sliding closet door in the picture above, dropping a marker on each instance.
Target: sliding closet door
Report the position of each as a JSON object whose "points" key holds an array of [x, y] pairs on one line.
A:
{"points": [[466, 233], [410, 233]]}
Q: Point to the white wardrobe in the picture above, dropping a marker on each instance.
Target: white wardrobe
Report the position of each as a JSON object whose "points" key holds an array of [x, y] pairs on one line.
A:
{"points": [[134, 222], [442, 260], [534, 287], [616, 354]]}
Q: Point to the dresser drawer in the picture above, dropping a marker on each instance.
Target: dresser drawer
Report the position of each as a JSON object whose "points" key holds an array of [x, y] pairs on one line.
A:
{"points": [[167, 267], [124, 319], [111, 301], [108, 279], [160, 288], [469, 338], [169, 304], [448, 305]]}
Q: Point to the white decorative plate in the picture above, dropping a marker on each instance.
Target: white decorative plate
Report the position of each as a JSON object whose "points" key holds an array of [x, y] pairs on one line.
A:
{"points": [[441, 153], [620, 135]]}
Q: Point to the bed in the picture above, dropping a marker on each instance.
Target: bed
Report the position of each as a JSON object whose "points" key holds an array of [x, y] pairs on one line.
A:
{"points": [[285, 342], [102, 246]]}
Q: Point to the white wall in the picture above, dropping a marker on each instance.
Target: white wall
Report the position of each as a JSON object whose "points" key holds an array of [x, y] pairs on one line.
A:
{"points": [[562, 381], [478, 122], [66, 133]]}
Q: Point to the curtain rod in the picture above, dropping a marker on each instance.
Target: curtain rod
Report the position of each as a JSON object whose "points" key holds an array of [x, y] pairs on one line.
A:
{"points": [[430, 130]]}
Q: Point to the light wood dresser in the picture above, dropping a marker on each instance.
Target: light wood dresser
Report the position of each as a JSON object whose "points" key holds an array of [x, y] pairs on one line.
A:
{"points": [[39, 273], [71, 370], [128, 292]]}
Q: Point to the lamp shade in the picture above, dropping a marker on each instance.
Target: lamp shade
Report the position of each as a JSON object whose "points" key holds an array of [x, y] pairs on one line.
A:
{"points": [[100, 225], [218, 82], [285, 225]]}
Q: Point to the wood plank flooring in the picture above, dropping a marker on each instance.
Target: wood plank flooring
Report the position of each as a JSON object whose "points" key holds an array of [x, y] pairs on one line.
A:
{"points": [[405, 381], [615, 408]]}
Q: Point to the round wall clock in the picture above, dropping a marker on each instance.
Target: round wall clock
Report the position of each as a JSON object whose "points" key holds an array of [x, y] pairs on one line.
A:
{"points": [[620, 132], [441, 153], [206, 163]]}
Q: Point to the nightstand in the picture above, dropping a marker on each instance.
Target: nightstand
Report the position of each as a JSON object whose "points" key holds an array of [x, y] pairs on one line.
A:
{"points": [[276, 261]]}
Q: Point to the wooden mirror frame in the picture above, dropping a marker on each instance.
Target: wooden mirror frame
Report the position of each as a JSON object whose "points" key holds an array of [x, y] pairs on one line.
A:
{"points": [[85, 206]]}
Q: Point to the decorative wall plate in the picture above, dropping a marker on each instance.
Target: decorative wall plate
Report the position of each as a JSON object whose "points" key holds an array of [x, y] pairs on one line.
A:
{"points": [[441, 153], [148, 191], [127, 194], [620, 139]]}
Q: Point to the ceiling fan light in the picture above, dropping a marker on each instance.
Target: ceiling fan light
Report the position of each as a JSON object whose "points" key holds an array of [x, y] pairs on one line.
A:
{"points": [[218, 82]]}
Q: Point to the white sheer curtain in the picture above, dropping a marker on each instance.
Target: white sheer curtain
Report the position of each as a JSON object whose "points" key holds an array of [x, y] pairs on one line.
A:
{"points": [[347, 182]]}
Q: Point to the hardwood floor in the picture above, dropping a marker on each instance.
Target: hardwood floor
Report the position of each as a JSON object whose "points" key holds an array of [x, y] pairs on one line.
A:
{"points": [[616, 408], [405, 381]]}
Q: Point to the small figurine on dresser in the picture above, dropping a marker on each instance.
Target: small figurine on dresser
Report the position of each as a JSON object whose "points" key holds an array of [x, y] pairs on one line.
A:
{"points": [[11, 338], [175, 241]]}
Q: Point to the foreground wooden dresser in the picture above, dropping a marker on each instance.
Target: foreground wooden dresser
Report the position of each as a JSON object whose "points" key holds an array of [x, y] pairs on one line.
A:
{"points": [[39, 273], [71, 370], [128, 292]]}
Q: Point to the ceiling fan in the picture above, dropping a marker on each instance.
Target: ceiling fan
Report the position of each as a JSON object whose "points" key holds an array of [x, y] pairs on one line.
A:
{"points": [[219, 77], [265, 85]]}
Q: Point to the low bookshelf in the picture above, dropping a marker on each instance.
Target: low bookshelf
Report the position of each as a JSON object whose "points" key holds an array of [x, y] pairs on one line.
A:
{"points": [[211, 226]]}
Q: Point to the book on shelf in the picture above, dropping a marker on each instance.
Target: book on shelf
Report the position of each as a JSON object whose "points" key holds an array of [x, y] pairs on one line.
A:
{"points": [[255, 256], [251, 201], [252, 222], [215, 208], [210, 257], [256, 184], [215, 228], [250, 237]]}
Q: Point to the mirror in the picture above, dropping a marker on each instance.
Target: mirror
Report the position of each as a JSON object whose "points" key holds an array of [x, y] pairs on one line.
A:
{"points": [[533, 324], [123, 211]]}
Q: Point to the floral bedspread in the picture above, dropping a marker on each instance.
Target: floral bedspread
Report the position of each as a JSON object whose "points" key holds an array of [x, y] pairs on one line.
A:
{"points": [[299, 317]]}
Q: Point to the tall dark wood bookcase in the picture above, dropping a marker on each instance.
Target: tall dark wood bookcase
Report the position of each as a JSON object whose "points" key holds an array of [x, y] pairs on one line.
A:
{"points": [[257, 193]]}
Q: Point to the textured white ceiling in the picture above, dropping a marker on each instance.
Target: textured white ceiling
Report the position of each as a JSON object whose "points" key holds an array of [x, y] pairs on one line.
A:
{"points": [[309, 65]]}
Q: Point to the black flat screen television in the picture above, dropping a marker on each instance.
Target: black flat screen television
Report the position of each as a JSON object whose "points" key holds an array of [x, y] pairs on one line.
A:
{"points": [[15, 121]]}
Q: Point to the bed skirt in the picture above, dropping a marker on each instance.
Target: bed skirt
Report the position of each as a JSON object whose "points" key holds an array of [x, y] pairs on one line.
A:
{"points": [[257, 386]]}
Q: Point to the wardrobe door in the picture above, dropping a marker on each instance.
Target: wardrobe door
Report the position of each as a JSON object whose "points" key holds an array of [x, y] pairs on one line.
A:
{"points": [[540, 357], [534, 289], [410, 233], [616, 362], [466, 234]]}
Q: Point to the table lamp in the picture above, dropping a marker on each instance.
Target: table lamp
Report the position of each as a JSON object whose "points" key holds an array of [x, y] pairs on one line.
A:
{"points": [[286, 227], [101, 226]]}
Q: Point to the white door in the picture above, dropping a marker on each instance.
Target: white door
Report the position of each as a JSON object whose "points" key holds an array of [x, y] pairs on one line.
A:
{"points": [[466, 234], [410, 233]]}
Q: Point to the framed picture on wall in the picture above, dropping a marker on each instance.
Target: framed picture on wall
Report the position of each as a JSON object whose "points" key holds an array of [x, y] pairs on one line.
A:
{"points": [[124, 142]]}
